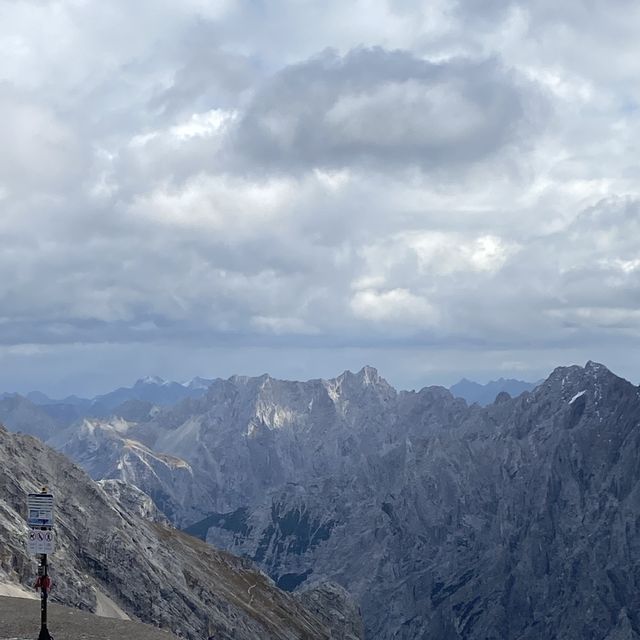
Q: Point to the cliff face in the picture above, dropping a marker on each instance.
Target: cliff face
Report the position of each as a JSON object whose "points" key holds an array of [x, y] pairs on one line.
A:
{"points": [[153, 573], [107, 451], [518, 520]]}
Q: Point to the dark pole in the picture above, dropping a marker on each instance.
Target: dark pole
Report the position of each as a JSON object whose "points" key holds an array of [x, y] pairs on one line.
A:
{"points": [[44, 632]]}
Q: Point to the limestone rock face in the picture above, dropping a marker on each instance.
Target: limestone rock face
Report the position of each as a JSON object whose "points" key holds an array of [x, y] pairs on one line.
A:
{"points": [[152, 572], [107, 451], [335, 607], [519, 520], [133, 500]]}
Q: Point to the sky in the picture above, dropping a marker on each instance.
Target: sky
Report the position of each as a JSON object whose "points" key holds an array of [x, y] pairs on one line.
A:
{"points": [[437, 188]]}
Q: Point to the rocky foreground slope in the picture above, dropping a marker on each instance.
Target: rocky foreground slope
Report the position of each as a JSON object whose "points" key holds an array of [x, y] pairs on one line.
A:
{"points": [[520, 520], [108, 549]]}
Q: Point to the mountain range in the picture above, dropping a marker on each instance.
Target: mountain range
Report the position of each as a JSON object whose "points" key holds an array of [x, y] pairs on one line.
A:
{"points": [[443, 519], [38, 414], [41, 415], [484, 394]]}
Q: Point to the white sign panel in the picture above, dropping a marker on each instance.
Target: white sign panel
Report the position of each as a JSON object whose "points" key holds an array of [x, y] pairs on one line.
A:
{"points": [[40, 510], [40, 541]]}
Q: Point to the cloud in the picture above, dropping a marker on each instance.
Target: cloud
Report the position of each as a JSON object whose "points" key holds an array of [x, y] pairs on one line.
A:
{"points": [[205, 76], [40, 150], [386, 108], [394, 306], [374, 179]]}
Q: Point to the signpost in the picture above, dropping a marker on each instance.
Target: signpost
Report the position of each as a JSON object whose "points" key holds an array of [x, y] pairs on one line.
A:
{"points": [[40, 510], [41, 542]]}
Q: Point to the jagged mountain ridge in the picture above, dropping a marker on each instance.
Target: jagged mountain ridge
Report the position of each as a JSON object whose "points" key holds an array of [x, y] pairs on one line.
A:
{"points": [[473, 531], [43, 417], [107, 544], [239, 425], [250, 409], [442, 519]]}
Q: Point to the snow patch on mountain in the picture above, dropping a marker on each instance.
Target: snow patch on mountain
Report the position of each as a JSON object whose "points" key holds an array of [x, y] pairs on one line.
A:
{"points": [[577, 395]]}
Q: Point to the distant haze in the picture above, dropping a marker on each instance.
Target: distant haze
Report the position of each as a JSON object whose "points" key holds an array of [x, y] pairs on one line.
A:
{"points": [[200, 187]]}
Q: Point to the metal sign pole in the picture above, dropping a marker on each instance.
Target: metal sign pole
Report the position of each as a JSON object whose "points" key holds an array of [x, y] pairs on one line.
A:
{"points": [[41, 542], [44, 594]]}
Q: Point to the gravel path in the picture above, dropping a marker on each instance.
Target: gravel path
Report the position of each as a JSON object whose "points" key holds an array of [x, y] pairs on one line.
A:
{"points": [[20, 620]]}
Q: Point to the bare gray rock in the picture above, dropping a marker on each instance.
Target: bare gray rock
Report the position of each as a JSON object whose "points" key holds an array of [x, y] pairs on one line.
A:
{"points": [[520, 520], [335, 607], [106, 450], [133, 500], [152, 572]]}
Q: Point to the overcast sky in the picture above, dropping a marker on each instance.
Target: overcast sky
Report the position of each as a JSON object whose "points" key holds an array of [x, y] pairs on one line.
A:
{"points": [[209, 187]]}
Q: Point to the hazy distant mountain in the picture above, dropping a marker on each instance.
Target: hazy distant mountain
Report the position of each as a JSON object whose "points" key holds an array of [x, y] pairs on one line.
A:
{"points": [[20, 414], [485, 394], [198, 383], [152, 389], [135, 402], [514, 521], [135, 410], [37, 397]]}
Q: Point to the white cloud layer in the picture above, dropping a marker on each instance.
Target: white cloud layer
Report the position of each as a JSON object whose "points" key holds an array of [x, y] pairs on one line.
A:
{"points": [[425, 186]]}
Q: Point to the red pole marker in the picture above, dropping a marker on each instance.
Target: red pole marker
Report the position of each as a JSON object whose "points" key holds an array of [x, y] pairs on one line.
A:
{"points": [[44, 583]]}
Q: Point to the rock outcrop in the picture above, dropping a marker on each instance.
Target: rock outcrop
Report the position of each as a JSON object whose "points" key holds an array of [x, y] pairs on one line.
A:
{"points": [[335, 607]]}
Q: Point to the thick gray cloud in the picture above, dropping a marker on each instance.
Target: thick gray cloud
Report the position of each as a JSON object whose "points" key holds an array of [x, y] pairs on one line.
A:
{"points": [[386, 108], [209, 187]]}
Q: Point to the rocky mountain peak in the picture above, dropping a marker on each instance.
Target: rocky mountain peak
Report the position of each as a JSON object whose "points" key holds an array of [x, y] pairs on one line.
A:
{"points": [[502, 397], [367, 378], [569, 383], [596, 368], [150, 380], [369, 375], [198, 383]]}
